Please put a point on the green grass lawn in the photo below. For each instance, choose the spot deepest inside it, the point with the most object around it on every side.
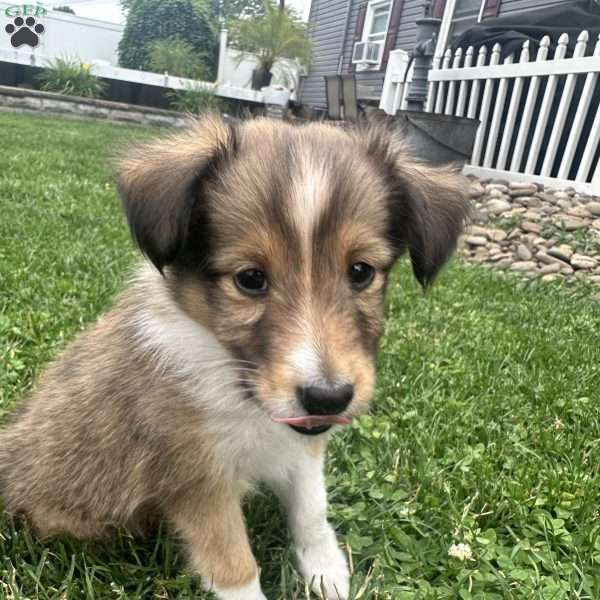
(485, 430)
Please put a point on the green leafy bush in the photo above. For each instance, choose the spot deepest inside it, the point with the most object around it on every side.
(150, 21)
(195, 100)
(72, 77)
(176, 57)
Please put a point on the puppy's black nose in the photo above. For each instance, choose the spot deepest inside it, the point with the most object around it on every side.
(325, 400)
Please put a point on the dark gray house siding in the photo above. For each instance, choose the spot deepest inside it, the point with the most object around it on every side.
(327, 20)
(327, 32)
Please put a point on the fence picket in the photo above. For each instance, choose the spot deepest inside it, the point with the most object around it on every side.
(452, 87)
(462, 91)
(580, 116)
(534, 88)
(563, 108)
(540, 128)
(473, 101)
(497, 117)
(485, 107)
(439, 104)
(589, 152)
(512, 111)
(431, 94)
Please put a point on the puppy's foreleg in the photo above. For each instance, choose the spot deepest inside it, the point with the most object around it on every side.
(215, 531)
(320, 559)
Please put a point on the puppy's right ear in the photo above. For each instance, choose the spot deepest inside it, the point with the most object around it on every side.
(161, 181)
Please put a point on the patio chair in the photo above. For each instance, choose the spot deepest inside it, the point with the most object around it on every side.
(341, 97)
(350, 100)
(333, 91)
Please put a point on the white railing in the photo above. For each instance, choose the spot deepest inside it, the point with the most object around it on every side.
(533, 125)
(143, 77)
(395, 85)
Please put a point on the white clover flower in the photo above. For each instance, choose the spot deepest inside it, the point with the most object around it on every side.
(558, 424)
(461, 551)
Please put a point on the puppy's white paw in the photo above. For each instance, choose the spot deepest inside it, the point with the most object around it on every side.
(324, 565)
(251, 591)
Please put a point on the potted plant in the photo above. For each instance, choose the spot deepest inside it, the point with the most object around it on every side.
(276, 35)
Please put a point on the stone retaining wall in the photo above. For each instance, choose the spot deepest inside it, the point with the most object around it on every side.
(26, 100)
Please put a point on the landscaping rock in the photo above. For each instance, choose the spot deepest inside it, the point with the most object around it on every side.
(521, 266)
(476, 190)
(530, 249)
(532, 215)
(477, 230)
(531, 227)
(546, 197)
(529, 201)
(492, 188)
(581, 261)
(496, 235)
(476, 240)
(563, 252)
(579, 211)
(593, 208)
(498, 206)
(522, 189)
(551, 268)
(547, 259)
(523, 253)
(572, 223)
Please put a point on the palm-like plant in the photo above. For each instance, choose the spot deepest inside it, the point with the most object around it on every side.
(276, 35)
(176, 57)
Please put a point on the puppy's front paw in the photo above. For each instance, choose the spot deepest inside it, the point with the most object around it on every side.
(324, 565)
(251, 591)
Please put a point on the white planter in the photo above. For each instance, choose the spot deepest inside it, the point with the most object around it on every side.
(277, 95)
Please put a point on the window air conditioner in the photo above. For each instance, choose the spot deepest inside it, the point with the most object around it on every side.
(366, 53)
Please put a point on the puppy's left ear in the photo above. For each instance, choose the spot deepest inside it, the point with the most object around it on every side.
(428, 205)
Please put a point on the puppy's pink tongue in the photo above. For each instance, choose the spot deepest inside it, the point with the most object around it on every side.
(310, 421)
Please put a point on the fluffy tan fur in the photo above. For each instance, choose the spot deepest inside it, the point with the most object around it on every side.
(120, 429)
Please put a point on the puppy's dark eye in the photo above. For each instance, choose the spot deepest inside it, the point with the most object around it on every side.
(251, 281)
(361, 275)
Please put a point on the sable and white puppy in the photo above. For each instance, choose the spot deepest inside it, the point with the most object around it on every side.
(225, 362)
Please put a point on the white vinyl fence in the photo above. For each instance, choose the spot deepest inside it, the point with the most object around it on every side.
(395, 84)
(540, 115)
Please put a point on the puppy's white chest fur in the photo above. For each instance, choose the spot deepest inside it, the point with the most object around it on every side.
(251, 447)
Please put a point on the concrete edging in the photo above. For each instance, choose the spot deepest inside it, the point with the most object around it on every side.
(26, 100)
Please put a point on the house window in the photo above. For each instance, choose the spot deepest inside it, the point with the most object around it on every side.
(464, 15)
(377, 21)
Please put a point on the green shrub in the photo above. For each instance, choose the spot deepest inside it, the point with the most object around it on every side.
(72, 77)
(195, 100)
(149, 21)
(176, 57)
